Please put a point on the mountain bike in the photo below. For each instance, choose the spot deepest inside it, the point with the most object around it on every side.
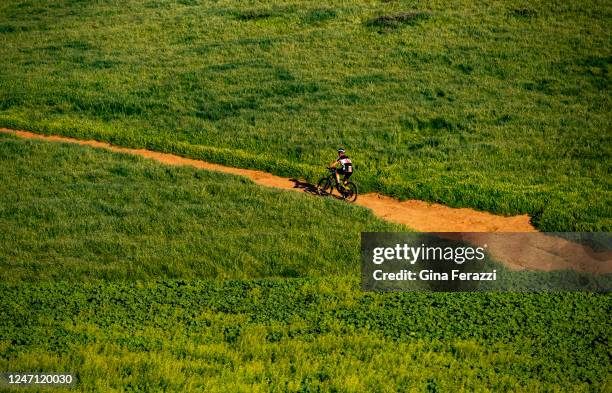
(326, 186)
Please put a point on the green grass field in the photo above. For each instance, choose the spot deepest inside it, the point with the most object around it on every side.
(101, 215)
(501, 105)
(142, 277)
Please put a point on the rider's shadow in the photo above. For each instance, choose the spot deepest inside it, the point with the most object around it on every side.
(309, 188)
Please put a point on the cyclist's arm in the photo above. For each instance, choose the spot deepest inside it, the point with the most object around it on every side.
(333, 164)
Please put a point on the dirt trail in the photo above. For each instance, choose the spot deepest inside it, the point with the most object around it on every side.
(419, 215)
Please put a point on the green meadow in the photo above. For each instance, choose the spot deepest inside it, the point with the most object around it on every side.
(140, 277)
(110, 216)
(502, 106)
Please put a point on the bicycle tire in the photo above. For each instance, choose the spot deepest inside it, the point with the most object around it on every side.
(351, 194)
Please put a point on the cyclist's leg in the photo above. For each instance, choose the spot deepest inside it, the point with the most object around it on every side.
(338, 173)
(347, 175)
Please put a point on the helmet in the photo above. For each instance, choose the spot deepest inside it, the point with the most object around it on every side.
(340, 150)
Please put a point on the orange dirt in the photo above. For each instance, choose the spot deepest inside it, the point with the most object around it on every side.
(418, 215)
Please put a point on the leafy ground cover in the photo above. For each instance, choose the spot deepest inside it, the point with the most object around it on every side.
(120, 270)
(303, 335)
(502, 106)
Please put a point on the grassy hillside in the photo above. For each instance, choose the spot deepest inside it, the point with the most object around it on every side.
(500, 105)
(100, 215)
(116, 268)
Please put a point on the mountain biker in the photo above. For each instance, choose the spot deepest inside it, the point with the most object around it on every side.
(346, 168)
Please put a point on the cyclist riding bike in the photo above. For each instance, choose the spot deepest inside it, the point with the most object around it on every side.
(346, 167)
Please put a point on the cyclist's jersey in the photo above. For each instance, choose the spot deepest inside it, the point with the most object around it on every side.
(347, 165)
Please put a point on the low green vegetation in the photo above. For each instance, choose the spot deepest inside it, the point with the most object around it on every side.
(142, 277)
(304, 335)
(502, 105)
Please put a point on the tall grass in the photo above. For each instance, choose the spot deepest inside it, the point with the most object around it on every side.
(100, 215)
(503, 106)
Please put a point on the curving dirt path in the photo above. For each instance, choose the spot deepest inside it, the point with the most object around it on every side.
(418, 215)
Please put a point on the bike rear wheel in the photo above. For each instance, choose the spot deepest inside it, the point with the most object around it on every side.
(324, 187)
(350, 192)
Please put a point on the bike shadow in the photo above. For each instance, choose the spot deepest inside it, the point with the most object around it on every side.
(309, 188)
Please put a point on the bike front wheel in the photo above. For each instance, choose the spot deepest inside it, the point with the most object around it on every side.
(350, 192)
(324, 187)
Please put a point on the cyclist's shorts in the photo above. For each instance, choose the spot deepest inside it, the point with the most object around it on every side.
(346, 174)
